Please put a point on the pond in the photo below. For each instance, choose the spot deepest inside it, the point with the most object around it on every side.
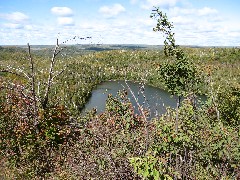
(154, 99)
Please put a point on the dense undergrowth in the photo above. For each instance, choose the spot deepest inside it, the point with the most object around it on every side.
(53, 140)
(118, 143)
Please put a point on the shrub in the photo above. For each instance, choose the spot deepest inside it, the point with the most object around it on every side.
(35, 149)
(228, 100)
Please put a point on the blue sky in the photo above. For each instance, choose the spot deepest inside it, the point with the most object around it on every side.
(196, 22)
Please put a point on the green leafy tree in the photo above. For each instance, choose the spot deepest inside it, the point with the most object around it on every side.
(180, 76)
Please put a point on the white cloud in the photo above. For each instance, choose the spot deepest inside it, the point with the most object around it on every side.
(94, 26)
(29, 27)
(64, 16)
(234, 34)
(110, 11)
(62, 11)
(14, 20)
(65, 21)
(180, 20)
(146, 22)
(13, 26)
(207, 11)
(207, 27)
(133, 1)
(159, 3)
(201, 26)
(16, 17)
(176, 11)
(192, 25)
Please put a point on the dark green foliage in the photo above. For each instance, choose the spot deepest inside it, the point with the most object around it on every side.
(229, 105)
(199, 149)
(181, 77)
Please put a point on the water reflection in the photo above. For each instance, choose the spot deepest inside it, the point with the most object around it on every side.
(154, 99)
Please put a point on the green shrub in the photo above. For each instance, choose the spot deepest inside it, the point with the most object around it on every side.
(228, 100)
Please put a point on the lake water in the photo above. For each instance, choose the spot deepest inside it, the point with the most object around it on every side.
(154, 99)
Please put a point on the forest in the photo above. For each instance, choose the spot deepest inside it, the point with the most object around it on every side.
(44, 135)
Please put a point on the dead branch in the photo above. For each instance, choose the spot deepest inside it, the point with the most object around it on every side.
(35, 109)
(142, 112)
(15, 73)
(56, 51)
(58, 74)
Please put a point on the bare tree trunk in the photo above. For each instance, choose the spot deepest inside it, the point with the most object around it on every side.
(176, 129)
(177, 113)
(50, 76)
(33, 88)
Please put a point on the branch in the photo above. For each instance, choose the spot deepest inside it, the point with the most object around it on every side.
(50, 77)
(33, 84)
(139, 106)
(142, 112)
(19, 88)
(15, 73)
(11, 72)
(58, 74)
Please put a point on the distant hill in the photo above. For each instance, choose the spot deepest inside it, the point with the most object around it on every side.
(87, 48)
(79, 48)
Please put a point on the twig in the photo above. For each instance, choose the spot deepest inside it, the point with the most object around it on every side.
(213, 99)
(50, 77)
(58, 74)
(142, 112)
(177, 113)
(15, 73)
(35, 109)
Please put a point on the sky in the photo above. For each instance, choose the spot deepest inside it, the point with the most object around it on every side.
(41, 22)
